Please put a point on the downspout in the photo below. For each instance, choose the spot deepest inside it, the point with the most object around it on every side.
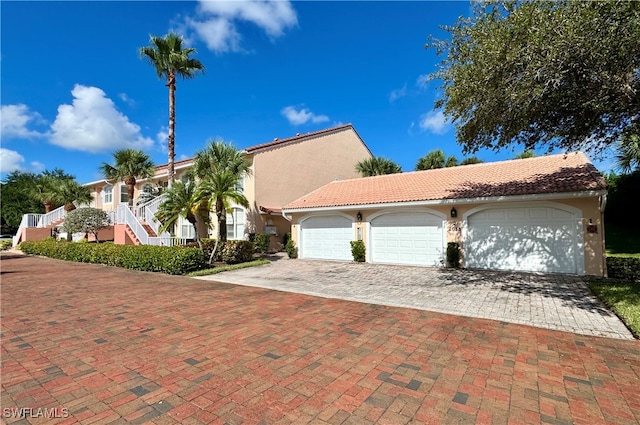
(603, 204)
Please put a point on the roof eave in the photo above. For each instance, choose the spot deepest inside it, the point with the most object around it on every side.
(450, 201)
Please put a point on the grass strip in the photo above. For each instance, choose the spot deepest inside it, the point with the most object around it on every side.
(623, 298)
(220, 269)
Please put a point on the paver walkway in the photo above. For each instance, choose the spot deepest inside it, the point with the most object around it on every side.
(112, 346)
(549, 301)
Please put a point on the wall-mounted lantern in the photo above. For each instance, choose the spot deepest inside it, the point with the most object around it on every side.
(359, 217)
(454, 212)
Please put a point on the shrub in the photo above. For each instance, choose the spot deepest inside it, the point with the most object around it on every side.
(627, 268)
(285, 239)
(4, 245)
(235, 252)
(358, 251)
(290, 247)
(262, 241)
(165, 259)
(86, 220)
(453, 255)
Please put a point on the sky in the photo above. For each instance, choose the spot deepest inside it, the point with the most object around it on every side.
(73, 88)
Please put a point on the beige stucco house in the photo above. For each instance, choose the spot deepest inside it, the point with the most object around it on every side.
(542, 214)
(282, 170)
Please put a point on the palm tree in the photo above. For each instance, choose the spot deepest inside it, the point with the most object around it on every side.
(529, 153)
(171, 60)
(182, 200)
(71, 191)
(628, 156)
(220, 168)
(377, 166)
(471, 160)
(130, 165)
(47, 188)
(432, 160)
(452, 161)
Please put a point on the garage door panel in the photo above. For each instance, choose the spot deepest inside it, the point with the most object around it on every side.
(326, 237)
(407, 238)
(545, 241)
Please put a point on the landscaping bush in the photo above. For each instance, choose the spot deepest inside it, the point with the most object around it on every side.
(235, 252)
(453, 255)
(627, 268)
(290, 247)
(165, 259)
(358, 251)
(4, 245)
(262, 241)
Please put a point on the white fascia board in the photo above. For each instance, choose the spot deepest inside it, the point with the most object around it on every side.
(457, 201)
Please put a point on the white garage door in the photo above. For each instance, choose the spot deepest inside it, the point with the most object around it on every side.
(326, 237)
(414, 238)
(538, 239)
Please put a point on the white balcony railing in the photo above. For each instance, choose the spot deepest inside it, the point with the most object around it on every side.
(125, 216)
(28, 220)
(146, 212)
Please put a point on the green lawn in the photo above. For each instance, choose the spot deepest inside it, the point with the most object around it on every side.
(623, 298)
(622, 241)
(227, 268)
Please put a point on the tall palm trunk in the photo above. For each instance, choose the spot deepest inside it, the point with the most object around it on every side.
(48, 206)
(222, 220)
(171, 139)
(131, 185)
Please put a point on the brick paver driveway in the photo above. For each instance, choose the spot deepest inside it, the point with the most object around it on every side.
(549, 301)
(109, 345)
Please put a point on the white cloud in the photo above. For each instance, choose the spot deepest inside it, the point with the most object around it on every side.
(162, 136)
(37, 166)
(93, 124)
(434, 122)
(216, 21)
(14, 120)
(422, 81)
(301, 116)
(126, 99)
(398, 93)
(10, 161)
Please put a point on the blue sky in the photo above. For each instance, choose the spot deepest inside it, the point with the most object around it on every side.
(74, 89)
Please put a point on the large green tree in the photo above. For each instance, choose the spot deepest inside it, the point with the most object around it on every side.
(129, 166)
(171, 60)
(556, 74)
(13, 202)
(377, 166)
(220, 168)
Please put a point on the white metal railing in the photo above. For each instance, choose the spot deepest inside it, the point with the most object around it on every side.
(125, 216)
(146, 212)
(28, 220)
(51, 216)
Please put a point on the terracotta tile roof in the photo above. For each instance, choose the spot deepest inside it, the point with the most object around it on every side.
(572, 172)
(297, 137)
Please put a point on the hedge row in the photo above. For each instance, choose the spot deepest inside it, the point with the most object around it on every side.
(627, 268)
(165, 259)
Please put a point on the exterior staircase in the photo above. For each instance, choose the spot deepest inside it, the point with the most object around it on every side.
(149, 229)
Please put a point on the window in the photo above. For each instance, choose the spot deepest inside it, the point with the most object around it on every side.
(235, 224)
(107, 194)
(124, 195)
